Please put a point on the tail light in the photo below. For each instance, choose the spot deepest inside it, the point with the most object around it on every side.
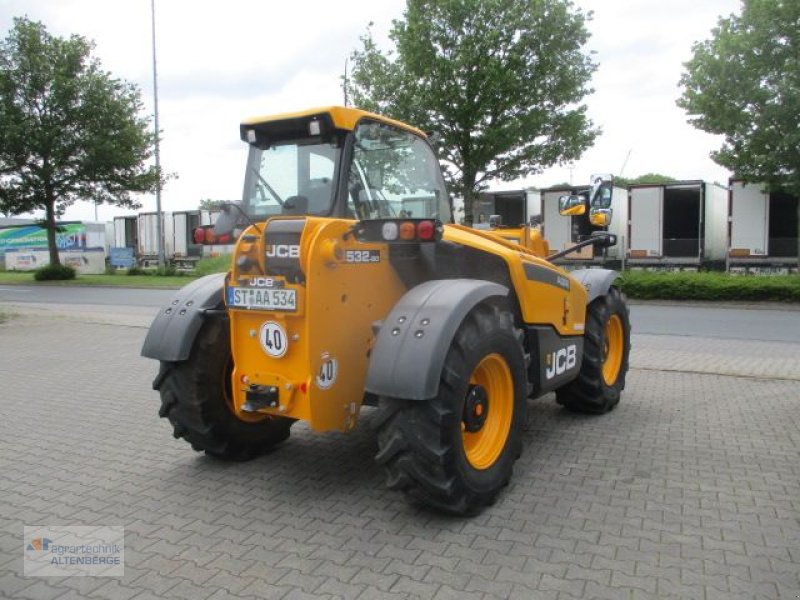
(408, 231)
(399, 230)
(205, 235)
(426, 231)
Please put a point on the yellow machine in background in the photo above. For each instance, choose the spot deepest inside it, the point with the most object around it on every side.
(595, 204)
(350, 286)
(528, 235)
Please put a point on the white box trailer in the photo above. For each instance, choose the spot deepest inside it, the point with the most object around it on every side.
(140, 232)
(515, 207)
(562, 232)
(186, 251)
(147, 248)
(763, 225)
(126, 232)
(681, 222)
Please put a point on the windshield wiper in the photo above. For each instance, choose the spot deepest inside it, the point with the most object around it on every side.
(266, 185)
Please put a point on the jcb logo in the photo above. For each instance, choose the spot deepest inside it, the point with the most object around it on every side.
(561, 361)
(261, 282)
(283, 251)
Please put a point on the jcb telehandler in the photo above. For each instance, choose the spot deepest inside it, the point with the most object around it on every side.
(350, 286)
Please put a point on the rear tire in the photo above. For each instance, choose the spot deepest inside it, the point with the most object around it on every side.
(607, 345)
(456, 451)
(196, 399)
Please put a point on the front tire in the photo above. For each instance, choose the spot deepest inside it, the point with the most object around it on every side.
(196, 399)
(456, 451)
(607, 345)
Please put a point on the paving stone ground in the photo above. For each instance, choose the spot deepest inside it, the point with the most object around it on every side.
(690, 489)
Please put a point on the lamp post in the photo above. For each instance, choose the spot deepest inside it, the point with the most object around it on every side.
(159, 224)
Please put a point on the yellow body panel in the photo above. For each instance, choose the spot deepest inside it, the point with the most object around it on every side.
(333, 322)
(541, 302)
(529, 237)
(330, 332)
(343, 118)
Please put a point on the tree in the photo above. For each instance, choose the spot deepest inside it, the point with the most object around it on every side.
(68, 130)
(646, 178)
(211, 205)
(744, 83)
(498, 84)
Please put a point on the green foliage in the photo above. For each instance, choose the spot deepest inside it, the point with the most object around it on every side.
(710, 286)
(54, 273)
(497, 83)
(214, 264)
(744, 83)
(646, 178)
(211, 205)
(88, 280)
(167, 271)
(68, 130)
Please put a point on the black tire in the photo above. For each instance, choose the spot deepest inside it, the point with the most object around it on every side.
(421, 444)
(195, 397)
(599, 385)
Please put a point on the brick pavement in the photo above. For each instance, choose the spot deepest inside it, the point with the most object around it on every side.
(690, 489)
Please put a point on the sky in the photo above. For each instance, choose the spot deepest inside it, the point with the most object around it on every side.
(221, 62)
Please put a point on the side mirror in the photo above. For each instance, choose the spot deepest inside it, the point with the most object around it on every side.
(571, 205)
(227, 219)
(600, 217)
(603, 239)
(602, 187)
(495, 220)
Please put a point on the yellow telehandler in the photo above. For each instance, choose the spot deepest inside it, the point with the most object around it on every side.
(350, 286)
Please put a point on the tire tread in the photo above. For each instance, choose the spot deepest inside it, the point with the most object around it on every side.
(418, 457)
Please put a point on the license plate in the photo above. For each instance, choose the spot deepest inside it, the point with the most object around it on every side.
(262, 298)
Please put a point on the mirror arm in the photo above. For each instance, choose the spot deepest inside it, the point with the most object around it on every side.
(226, 209)
(246, 216)
(592, 240)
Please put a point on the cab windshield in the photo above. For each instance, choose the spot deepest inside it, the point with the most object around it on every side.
(290, 179)
(394, 174)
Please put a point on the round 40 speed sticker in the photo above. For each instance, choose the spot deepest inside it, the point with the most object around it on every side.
(326, 376)
(273, 339)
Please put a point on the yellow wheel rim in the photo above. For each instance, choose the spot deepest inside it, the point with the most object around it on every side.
(484, 446)
(613, 350)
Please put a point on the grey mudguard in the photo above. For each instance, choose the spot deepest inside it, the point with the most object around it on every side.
(596, 281)
(408, 356)
(172, 332)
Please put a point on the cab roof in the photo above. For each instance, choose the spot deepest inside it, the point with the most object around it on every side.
(343, 118)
